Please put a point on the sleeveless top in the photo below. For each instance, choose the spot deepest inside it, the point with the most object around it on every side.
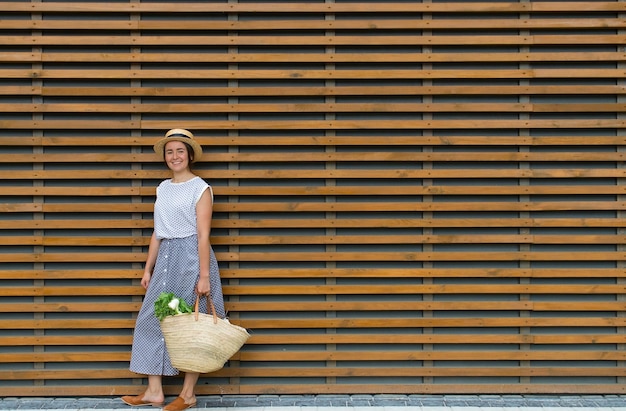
(175, 207)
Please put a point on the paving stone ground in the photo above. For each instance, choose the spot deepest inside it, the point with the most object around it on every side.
(358, 402)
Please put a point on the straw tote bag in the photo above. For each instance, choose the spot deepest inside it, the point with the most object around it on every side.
(198, 342)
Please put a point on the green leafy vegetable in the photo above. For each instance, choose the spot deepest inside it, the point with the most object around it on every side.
(169, 304)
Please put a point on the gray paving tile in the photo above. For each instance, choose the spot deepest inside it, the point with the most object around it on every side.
(336, 402)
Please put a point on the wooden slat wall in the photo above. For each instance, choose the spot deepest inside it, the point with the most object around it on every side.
(410, 197)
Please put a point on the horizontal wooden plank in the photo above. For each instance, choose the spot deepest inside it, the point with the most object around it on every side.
(282, 355)
(317, 156)
(423, 190)
(312, 40)
(74, 291)
(321, 141)
(296, 222)
(339, 323)
(295, 207)
(63, 357)
(19, 90)
(360, 124)
(412, 323)
(351, 338)
(78, 324)
(259, 338)
(440, 355)
(283, 7)
(93, 224)
(313, 173)
(338, 371)
(362, 306)
(353, 289)
(316, 108)
(421, 207)
(299, 256)
(421, 371)
(318, 23)
(85, 340)
(69, 307)
(465, 272)
(369, 57)
(304, 74)
(365, 238)
(373, 305)
(75, 241)
(82, 374)
(342, 90)
(68, 274)
(330, 290)
(321, 273)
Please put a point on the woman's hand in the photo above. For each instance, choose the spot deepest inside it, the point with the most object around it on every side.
(204, 286)
(145, 280)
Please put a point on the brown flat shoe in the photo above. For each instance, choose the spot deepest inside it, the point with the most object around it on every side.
(137, 401)
(178, 405)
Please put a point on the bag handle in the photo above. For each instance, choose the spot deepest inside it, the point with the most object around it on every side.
(209, 302)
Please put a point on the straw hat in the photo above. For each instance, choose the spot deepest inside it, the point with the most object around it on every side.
(179, 134)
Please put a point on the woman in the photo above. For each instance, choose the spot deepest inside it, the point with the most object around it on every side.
(180, 260)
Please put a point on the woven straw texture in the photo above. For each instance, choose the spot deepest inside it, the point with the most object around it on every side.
(203, 344)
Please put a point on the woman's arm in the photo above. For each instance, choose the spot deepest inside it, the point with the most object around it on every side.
(153, 250)
(204, 211)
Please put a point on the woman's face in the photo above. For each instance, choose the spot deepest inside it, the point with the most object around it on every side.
(176, 155)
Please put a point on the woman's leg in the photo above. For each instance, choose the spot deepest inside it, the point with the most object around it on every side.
(152, 396)
(187, 397)
(154, 393)
(189, 385)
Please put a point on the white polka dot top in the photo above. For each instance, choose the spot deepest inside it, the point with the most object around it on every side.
(175, 208)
